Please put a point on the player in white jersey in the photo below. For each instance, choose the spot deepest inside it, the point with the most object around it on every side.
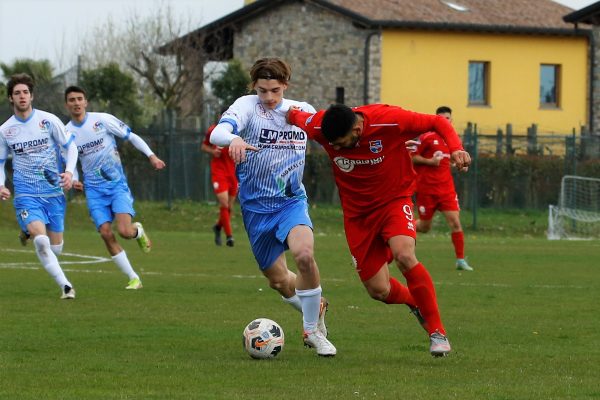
(271, 194)
(35, 139)
(107, 193)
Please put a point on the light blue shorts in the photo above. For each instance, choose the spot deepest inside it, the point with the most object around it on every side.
(49, 210)
(104, 204)
(268, 232)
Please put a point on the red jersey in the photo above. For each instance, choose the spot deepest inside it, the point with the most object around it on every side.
(223, 165)
(433, 179)
(379, 169)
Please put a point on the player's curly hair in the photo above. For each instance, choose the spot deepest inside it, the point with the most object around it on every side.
(270, 68)
(337, 121)
(17, 79)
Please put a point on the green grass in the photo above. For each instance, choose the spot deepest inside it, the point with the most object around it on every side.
(523, 326)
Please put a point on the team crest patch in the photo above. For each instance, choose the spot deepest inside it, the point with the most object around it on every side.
(45, 125)
(98, 126)
(24, 215)
(375, 146)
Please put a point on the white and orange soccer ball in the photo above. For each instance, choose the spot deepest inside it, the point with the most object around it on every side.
(263, 338)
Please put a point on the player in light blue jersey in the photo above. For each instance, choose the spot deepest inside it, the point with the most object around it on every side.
(35, 139)
(271, 194)
(108, 196)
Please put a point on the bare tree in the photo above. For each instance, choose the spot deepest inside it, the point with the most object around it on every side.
(168, 65)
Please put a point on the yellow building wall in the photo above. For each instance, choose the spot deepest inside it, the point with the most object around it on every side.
(423, 70)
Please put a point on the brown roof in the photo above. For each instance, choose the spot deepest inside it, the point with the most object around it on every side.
(503, 16)
(540, 14)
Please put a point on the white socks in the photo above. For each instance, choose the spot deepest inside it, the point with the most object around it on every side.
(311, 304)
(123, 263)
(57, 248)
(293, 301)
(140, 231)
(49, 260)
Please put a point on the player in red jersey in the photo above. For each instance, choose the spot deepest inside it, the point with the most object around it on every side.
(374, 174)
(435, 188)
(225, 185)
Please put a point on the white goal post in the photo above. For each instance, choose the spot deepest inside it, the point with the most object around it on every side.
(577, 215)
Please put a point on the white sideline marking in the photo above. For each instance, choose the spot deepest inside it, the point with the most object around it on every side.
(98, 260)
(34, 265)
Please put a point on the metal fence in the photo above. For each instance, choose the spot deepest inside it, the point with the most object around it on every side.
(508, 171)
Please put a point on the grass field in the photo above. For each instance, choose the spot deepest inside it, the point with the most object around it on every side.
(524, 325)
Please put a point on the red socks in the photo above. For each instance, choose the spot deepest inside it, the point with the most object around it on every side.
(399, 294)
(225, 220)
(421, 288)
(458, 240)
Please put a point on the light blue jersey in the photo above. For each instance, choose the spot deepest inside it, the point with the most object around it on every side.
(98, 153)
(35, 146)
(272, 177)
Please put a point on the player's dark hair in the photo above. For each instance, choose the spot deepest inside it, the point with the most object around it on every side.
(443, 110)
(75, 89)
(270, 68)
(337, 121)
(17, 79)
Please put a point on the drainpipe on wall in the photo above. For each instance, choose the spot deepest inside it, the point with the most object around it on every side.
(366, 66)
(592, 61)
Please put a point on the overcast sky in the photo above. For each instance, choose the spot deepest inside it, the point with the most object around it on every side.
(51, 29)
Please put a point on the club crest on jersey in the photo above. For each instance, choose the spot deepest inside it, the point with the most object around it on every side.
(436, 142)
(375, 146)
(45, 125)
(98, 126)
(262, 112)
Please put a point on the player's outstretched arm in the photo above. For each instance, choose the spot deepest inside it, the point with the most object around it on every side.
(156, 162)
(4, 193)
(78, 185)
(461, 160)
(66, 180)
(222, 136)
(237, 149)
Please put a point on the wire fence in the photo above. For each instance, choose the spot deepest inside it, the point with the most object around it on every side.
(508, 171)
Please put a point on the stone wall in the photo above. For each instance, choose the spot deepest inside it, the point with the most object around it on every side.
(325, 50)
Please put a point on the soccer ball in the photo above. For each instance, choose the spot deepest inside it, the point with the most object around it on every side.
(263, 338)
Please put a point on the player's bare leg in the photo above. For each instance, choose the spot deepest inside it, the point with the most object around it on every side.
(308, 287)
(129, 230)
(119, 256)
(423, 225)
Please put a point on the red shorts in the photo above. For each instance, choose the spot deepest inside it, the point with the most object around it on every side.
(225, 183)
(368, 235)
(427, 204)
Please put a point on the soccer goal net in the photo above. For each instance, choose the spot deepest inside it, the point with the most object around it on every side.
(577, 215)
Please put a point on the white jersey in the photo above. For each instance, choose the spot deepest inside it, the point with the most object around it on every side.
(271, 177)
(98, 153)
(35, 144)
